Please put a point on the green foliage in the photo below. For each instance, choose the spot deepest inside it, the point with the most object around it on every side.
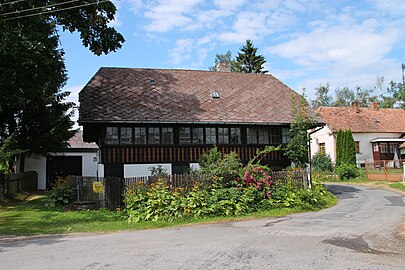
(347, 171)
(345, 148)
(224, 167)
(248, 62)
(226, 58)
(158, 171)
(297, 147)
(60, 195)
(309, 199)
(322, 98)
(7, 151)
(33, 72)
(322, 162)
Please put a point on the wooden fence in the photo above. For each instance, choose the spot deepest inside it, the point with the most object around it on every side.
(20, 182)
(106, 192)
(385, 170)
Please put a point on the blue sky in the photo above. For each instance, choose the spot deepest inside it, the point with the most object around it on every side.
(305, 43)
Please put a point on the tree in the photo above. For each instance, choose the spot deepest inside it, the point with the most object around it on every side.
(322, 98)
(227, 58)
(297, 147)
(398, 93)
(248, 62)
(345, 148)
(32, 70)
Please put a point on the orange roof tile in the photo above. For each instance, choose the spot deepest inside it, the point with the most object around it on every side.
(364, 119)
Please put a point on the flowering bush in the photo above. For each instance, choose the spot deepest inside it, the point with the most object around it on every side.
(257, 176)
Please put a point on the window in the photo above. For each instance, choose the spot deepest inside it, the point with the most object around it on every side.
(275, 135)
(322, 149)
(140, 135)
(263, 135)
(185, 135)
(235, 136)
(357, 146)
(383, 148)
(285, 135)
(125, 135)
(167, 135)
(153, 135)
(251, 133)
(111, 135)
(375, 147)
(393, 148)
(223, 136)
(198, 135)
(210, 136)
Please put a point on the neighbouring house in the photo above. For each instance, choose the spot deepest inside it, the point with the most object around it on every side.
(80, 158)
(147, 117)
(377, 132)
(402, 150)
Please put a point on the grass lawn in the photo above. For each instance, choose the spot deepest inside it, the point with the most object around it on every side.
(30, 217)
(398, 185)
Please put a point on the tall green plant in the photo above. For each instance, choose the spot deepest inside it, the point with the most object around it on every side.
(345, 149)
(297, 148)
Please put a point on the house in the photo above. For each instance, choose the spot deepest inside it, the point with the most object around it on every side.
(377, 132)
(147, 117)
(402, 150)
(80, 158)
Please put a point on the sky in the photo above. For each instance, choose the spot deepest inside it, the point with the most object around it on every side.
(306, 43)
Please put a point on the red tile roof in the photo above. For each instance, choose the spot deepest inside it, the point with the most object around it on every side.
(364, 119)
(160, 95)
(76, 142)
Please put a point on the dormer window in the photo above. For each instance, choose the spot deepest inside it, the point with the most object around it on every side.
(214, 94)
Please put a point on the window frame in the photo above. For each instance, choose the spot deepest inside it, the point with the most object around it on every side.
(163, 136)
(116, 140)
(143, 135)
(130, 138)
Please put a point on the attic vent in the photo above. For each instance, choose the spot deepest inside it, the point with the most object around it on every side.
(152, 81)
(214, 94)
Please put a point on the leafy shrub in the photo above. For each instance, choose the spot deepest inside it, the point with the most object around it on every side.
(322, 162)
(225, 169)
(158, 171)
(347, 171)
(60, 195)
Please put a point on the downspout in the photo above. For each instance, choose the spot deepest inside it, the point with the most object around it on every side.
(310, 155)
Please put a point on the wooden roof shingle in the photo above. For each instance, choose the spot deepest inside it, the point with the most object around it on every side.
(184, 96)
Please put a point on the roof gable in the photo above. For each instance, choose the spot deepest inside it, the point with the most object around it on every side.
(159, 95)
(365, 120)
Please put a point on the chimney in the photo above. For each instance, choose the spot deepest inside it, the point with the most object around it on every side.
(223, 66)
(355, 106)
(374, 106)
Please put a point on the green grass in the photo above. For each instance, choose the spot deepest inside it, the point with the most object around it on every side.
(398, 185)
(30, 217)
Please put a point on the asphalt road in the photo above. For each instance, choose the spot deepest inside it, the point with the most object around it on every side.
(360, 232)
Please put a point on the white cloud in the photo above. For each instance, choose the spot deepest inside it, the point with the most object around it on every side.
(229, 5)
(182, 51)
(248, 25)
(165, 15)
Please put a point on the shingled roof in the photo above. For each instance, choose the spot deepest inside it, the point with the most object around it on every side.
(364, 120)
(134, 95)
(76, 142)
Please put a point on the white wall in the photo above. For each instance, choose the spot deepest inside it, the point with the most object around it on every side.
(194, 166)
(38, 165)
(365, 145)
(135, 170)
(89, 166)
(326, 136)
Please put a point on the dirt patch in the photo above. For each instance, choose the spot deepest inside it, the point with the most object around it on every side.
(402, 231)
